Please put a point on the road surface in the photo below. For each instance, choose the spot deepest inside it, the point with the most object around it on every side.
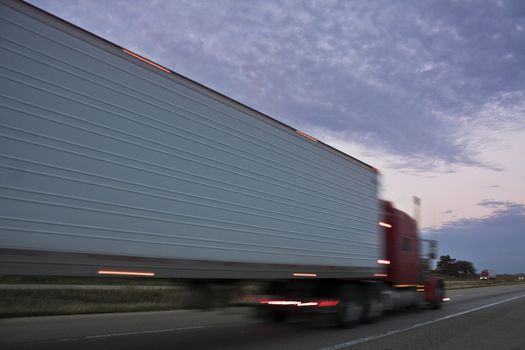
(481, 318)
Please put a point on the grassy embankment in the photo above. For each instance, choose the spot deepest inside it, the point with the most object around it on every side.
(475, 282)
(39, 302)
(128, 296)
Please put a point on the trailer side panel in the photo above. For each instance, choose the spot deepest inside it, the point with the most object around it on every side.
(103, 153)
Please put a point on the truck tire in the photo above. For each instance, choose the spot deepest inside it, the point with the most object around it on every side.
(351, 307)
(438, 297)
(374, 304)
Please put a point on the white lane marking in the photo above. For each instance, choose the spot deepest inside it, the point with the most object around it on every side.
(417, 325)
(133, 333)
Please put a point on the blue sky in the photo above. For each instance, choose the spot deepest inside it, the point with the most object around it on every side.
(430, 92)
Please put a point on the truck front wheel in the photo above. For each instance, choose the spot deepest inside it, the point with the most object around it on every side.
(438, 297)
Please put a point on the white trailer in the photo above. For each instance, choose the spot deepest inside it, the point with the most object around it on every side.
(111, 162)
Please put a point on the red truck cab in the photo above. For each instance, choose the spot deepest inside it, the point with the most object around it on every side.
(407, 268)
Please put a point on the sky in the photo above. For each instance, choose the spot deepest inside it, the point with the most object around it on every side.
(430, 92)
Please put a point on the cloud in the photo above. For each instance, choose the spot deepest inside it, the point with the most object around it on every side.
(500, 205)
(406, 78)
(432, 93)
(494, 242)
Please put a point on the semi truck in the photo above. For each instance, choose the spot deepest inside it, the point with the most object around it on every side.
(112, 164)
(487, 275)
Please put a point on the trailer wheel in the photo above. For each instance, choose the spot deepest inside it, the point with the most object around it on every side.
(351, 306)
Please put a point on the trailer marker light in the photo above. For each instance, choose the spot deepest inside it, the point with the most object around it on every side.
(384, 224)
(306, 135)
(380, 275)
(312, 303)
(446, 299)
(143, 59)
(298, 274)
(280, 302)
(383, 262)
(405, 285)
(328, 303)
(322, 303)
(125, 273)
(277, 302)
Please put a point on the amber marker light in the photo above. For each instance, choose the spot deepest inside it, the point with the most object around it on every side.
(404, 285)
(384, 224)
(143, 59)
(306, 135)
(376, 170)
(304, 274)
(125, 273)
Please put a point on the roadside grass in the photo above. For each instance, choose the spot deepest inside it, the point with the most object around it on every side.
(452, 282)
(110, 280)
(39, 302)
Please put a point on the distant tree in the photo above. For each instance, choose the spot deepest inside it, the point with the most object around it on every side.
(446, 265)
(452, 267)
(465, 268)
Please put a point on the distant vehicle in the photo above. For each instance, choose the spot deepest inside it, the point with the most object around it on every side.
(487, 275)
(520, 276)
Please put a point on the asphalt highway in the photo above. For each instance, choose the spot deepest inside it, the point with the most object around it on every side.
(481, 318)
